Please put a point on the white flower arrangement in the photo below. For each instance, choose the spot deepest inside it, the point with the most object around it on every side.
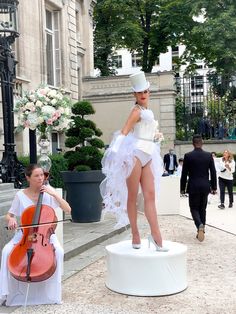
(44, 109)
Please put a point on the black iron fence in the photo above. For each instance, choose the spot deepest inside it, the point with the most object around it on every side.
(206, 104)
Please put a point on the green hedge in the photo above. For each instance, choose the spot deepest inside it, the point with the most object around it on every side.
(59, 163)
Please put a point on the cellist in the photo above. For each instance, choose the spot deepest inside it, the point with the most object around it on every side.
(12, 291)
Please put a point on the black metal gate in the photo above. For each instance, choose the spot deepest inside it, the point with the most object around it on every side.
(206, 104)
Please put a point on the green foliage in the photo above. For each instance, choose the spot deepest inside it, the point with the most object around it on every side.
(180, 116)
(24, 160)
(71, 141)
(59, 163)
(82, 168)
(83, 137)
(96, 142)
(82, 108)
(211, 37)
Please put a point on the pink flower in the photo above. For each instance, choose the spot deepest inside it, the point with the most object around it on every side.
(49, 121)
(43, 91)
(57, 114)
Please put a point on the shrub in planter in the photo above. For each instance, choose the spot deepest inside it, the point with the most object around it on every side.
(84, 162)
(83, 137)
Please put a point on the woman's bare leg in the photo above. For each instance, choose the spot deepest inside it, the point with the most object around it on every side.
(133, 186)
(148, 188)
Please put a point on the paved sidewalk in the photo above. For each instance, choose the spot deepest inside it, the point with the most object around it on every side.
(224, 219)
(211, 267)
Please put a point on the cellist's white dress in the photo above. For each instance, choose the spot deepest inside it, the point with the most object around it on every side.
(117, 167)
(14, 291)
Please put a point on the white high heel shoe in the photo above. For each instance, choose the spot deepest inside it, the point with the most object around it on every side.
(136, 245)
(158, 248)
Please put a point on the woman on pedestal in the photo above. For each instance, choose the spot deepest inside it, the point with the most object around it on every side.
(133, 158)
(12, 291)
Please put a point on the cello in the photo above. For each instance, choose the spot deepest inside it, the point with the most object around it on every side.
(33, 258)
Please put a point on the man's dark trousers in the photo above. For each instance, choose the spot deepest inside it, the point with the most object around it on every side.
(198, 205)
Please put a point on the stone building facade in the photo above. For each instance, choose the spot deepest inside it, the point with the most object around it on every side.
(55, 47)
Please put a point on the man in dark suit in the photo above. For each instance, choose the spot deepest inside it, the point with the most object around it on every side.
(196, 167)
(170, 162)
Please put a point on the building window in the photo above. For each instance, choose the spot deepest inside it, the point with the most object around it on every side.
(53, 54)
(55, 143)
(175, 65)
(195, 94)
(197, 82)
(175, 51)
(77, 19)
(199, 66)
(136, 60)
(117, 61)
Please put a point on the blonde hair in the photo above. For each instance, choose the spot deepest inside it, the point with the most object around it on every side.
(230, 158)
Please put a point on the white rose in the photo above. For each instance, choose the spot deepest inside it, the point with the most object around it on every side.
(32, 97)
(52, 93)
(39, 103)
(40, 120)
(29, 105)
(53, 102)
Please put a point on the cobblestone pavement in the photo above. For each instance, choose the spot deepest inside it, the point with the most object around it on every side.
(211, 277)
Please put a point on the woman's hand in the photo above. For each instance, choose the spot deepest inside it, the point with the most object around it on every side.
(62, 203)
(48, 189)
(159, 137)
(12, 223)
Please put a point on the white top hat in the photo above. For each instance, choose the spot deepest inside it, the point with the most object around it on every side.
(139, 82)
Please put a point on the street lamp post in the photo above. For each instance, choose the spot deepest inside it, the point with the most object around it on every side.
(11, 170)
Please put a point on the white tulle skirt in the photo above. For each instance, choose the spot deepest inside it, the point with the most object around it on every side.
(117, 167)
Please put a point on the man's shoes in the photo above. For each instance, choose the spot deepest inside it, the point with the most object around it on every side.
(221, 206)
(230, 205)
(200, 233)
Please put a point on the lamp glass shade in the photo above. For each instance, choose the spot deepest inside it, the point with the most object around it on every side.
(8, 17)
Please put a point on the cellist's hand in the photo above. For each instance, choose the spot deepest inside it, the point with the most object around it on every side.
(48, 189)
(12, 223)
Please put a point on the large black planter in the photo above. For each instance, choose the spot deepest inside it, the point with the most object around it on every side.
(83, 194)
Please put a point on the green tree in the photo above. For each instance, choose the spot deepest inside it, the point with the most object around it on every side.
(134, 24)
(207, 29)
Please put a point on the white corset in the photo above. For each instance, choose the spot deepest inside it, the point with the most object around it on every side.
(145, 131)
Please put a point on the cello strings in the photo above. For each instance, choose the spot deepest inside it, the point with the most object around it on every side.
(26, 297)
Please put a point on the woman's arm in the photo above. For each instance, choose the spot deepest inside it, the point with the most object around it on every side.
(62, 203)
(133, 118)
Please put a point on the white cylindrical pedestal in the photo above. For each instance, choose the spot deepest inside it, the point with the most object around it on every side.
(146, 272)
